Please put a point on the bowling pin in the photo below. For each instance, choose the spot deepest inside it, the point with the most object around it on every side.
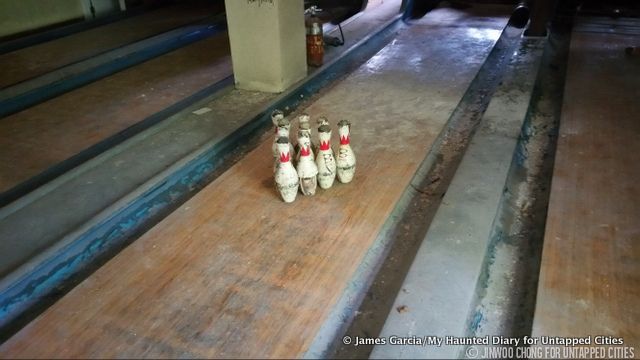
(275, 116)
(303, 124)
(286, 176)
(303, 121)
(282, 130)
(346, 161)
(307, 168)
(324, 160)
(304, 135)
(321, 121)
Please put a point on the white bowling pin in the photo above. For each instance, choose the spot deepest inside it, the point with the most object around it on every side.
(303, 121)
(346, 161)
(282, 130)
(275, 116)
(304, 137)
(286, 176)
(325, 161)
(303, 124)
(307, 168)
(321, 121)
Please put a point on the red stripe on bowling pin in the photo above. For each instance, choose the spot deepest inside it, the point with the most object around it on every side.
(324, 145)
(344, 140)
(285, 157)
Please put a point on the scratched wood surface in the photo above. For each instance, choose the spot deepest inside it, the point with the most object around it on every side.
(39, 137)
(590, 274)
(37, 60)
(237, 272)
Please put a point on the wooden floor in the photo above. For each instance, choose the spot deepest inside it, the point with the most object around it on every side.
(237, 272)
(39, 137)
(590, 276)
(40, 59)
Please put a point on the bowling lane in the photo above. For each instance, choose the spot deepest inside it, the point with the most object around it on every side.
(39, 59)
(237, 272)
(590, 271)
(39, 137)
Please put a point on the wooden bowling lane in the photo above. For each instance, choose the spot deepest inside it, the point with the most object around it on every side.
(590, 272)
(39, 59)
(39, 137)
(236, 272)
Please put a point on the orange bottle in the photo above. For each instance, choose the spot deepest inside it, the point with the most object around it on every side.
(315, 41)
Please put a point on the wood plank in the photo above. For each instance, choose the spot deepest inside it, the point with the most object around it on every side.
(590, 272)
(40, 137)
(237, 272)
(39, 59)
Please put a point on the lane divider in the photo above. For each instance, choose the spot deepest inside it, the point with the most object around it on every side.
(66, 30)
(34, 91)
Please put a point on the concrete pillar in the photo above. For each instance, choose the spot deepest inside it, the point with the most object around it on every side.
(268, 48)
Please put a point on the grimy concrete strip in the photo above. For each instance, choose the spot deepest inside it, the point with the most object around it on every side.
(440, 289)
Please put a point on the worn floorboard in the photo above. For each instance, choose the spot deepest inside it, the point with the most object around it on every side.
(590, 273)
(39, 137)
(39, 59)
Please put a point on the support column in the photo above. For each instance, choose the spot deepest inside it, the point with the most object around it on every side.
(268, 48)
